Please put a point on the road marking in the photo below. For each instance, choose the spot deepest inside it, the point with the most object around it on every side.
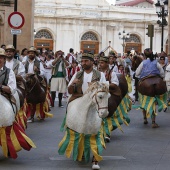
(62, 158)
(113, 157)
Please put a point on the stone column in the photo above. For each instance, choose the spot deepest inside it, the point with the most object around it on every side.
(169, 29)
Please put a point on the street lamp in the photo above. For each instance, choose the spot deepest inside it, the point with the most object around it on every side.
(124, 36)
(35, 32)
(162, 12)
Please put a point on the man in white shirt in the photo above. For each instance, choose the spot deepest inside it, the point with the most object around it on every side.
(12, 63)
(87, 74)
(58, 79)
(17, 67)
(113, 64)
(33, 65)
(7, 76)
(104, 67)
(79, 84)
(111, 77)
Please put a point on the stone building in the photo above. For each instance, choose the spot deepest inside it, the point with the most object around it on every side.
(90, 25)
(25, 7)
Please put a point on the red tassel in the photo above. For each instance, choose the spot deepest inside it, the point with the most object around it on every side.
(50, 98)
(11, 148)
(24, 144)
(42, 114)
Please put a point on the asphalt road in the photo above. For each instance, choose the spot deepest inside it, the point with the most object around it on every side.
(139, 148)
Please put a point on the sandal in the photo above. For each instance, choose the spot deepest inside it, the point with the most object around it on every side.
(155, 125)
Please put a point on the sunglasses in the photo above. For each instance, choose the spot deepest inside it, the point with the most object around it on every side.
(162, 59)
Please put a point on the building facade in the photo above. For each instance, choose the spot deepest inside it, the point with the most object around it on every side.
(90, 25)
(26, 38)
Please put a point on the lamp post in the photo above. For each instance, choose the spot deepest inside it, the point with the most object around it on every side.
(15, 36)
(162, 12)
(124, 36)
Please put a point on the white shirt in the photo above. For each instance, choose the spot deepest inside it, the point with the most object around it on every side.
(114, 78)
(49, 66)
(31, 67)
(87, 78)
(26, 57)
(71, 58)
(11, 81)
(21, 69)
(139, 69)
(115, 69)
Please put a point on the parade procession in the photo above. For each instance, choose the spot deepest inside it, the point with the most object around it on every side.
(73, 96)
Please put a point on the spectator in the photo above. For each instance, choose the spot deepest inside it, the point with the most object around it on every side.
(70, 56)
(48, 67)
(113, 63)
(24, 53)
(3, 46)
(121, 69)
(58, 80)
(162, 62)
(74, 69)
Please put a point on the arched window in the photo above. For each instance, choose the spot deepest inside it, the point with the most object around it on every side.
(133, 38)
(89, 36)
(43, 34)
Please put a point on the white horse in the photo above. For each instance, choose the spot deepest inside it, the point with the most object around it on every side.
(84, 114)
(7, 112)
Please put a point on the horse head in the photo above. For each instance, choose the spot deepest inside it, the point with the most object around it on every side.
(31, 81)
(35, 93)
(99, 96)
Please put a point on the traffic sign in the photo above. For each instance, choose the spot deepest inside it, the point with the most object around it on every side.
(16, 20)
(15, 32)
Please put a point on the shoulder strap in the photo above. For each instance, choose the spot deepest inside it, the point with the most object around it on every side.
(5, 82)
(79, 74)
(16, 66)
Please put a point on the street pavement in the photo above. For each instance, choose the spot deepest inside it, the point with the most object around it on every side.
(140, 147)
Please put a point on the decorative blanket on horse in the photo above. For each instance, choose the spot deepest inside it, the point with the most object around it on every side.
(21, 116)
(119, 117)
(81, 145)
(41, 110)
(149, 103)
(13, 139)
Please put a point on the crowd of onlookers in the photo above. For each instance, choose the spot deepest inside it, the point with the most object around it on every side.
(117, 63)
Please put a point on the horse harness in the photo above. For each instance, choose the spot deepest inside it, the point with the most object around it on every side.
(97, 101)
(33, 86)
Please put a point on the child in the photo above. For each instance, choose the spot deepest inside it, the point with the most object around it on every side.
(121, 69)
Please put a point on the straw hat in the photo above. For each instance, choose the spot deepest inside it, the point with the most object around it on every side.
(2, 52)
(32, 49)
(10, 47)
